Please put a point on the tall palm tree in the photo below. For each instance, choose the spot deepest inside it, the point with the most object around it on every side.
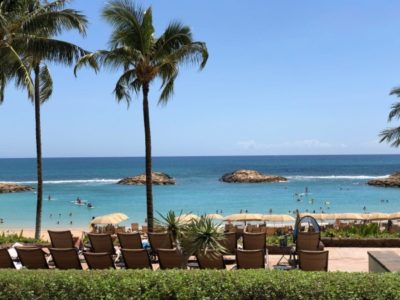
(30, 28)
(144, 58)
(392, 135)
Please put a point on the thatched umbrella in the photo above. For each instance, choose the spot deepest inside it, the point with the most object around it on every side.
(243, 217)
(277, 218)
(394, 216)
(114, 218)
(186, 218)
(348, 216)
(376, 216)
(214, 216)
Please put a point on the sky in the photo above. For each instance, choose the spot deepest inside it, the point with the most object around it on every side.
(283, 77)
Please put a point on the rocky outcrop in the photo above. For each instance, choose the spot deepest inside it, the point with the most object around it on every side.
(250, 176)
(391, 181)
(157, 178)
(13, 188)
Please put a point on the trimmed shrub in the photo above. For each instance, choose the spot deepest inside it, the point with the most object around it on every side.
(196, 284)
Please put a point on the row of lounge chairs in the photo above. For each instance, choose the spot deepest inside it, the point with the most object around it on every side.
(103, 254)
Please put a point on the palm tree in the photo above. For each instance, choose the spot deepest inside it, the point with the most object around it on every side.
(144, 58)
(30, 28)
(392, 135)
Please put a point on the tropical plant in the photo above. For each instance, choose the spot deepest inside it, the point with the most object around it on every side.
(173, 225)
(28, 31)
(201, 236)
(392, 135)
(144, 58)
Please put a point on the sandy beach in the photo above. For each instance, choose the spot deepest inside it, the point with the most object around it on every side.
(29, 232)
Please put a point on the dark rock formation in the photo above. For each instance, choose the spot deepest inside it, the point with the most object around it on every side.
(158, 178)
(391, 181)
(250, 176)
(13, 188)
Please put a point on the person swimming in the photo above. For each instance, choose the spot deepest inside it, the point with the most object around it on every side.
(89, 205)
(78, 200)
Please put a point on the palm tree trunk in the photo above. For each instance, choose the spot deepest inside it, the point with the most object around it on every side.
(38, 153)
(149, 188)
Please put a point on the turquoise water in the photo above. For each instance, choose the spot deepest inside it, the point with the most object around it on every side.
(335, 184)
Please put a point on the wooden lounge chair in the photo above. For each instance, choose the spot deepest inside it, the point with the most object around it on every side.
(309, 241)
(313, 260)
(250, 259)
(136, 258)
(170, 259)
(99, 260)
(211, 260)
(101, 242)
(130, 240)
(229, 242)
(32, 257)
(254, 241)
(134, 227)
(65, 258)
(159, 240)
(61, 239)
(5, 259)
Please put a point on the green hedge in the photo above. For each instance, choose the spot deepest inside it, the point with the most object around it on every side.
(196, 284)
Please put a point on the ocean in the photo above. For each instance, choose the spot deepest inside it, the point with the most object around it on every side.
(334, 184)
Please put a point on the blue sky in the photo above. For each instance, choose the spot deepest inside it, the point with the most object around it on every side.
(284, 77)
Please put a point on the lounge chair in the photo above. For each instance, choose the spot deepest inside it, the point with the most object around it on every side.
(99, 260)
(229, 242)
(130, 240)
(134, 227)
(32, 257)
(211, 260)
(61, 239)
(159, 240)
(309, 241)
(170, 259)
(136, 258)
(5, 259)
(313, 260)
(250, 259)
(65, 258)
(101, 242)
(254, 241)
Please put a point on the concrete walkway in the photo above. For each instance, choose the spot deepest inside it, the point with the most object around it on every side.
(345, 259)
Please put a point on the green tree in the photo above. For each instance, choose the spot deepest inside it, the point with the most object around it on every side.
(144, 58)
(392, 135)
(28, 31)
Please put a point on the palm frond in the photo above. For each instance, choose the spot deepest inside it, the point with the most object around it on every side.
(46, 84)
(56, 51)
(395, 111)
(15, 67)
(391, 135)
(127, 20)
(51, 23)
(122, 87)
(175, 36)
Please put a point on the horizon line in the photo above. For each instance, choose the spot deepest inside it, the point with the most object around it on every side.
(188, 156)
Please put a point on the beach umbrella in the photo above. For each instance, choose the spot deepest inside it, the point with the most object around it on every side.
(348, 216)
(376, 216)
(320, 216)
(277, 218)
(114, 218)
(214, 216)
(186, 218)
(243, 217)
(394, 216)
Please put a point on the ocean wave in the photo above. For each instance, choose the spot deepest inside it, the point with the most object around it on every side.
(68, 181)
(336, 177)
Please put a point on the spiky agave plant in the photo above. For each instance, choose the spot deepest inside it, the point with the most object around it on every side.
(201, 236)
(174, 226)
